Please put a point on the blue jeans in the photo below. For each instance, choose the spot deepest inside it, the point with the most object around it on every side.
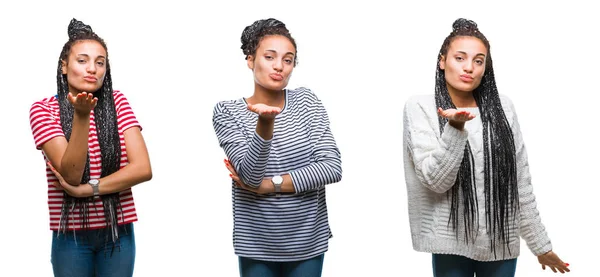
(87, 254)
(307, 268)
(459, 266)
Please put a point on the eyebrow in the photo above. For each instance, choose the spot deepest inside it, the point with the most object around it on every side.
(288, 53)
(479, 54)
(86, 55)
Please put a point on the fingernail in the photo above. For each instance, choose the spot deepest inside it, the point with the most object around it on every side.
(230, 175)
(566, 264)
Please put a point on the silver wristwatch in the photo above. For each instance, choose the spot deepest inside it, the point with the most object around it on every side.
(94, 183)
(277, 181)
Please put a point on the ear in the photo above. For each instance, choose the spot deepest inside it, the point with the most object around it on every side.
(250, 61)
(63, 67)
(442, 62)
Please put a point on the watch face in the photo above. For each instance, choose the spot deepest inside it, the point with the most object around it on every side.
(277, 180)
(93, 182)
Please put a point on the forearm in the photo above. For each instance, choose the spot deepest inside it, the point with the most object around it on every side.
(437, 163)
(316, 175)
(250, 161)
(124, 178)
(74, 159)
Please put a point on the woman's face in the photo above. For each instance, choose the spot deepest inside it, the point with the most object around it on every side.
(85, 67)
(464, 63)
(273, 62)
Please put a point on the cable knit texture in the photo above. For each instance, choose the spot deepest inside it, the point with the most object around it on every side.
(431, 163)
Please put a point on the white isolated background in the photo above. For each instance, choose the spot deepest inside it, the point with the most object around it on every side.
(174, 60)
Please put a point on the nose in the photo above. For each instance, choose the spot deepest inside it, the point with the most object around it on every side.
(468, 67)
(278, 65)
(91, 68)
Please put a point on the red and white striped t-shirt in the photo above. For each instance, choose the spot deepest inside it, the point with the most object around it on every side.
(45, 124)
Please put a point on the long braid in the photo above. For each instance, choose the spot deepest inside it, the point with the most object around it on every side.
(500, 168)
(105, 117)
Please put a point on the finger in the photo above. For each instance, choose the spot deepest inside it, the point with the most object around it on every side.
(57, 185)
(553, 269)
(544, 267)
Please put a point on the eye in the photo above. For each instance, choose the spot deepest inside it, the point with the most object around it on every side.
(100, 63)
(81, 61)
(479, 62)
(268, 57)
(288, 61)
(459, 58)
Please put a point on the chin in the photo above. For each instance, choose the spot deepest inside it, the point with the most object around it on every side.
(275, 86)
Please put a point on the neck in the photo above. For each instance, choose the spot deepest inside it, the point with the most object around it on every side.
(274, 98)
(462, 99)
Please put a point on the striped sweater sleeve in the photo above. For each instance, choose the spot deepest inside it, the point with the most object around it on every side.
(436, 159)
(326, 164)
(248, 157)
(530, 223)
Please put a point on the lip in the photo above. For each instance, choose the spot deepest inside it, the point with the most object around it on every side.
(276, 76)
(466, 78)
(91, 79)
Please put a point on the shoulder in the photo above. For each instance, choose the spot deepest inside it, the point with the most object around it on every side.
(508, 107)
(303, 94)
(44, 105)
(229, 106)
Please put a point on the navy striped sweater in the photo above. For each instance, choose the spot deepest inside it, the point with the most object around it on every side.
(291, 227)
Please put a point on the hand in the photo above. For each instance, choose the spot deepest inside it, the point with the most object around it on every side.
(551, 260)
(456, 115)
(264, 187)
(83, 102)
(75, 191)
(264, 111)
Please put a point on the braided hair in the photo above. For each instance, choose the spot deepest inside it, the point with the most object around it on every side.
(253, 34)
(105, 116)
(500, 168)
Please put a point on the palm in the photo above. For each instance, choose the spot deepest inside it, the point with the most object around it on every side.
(264, 111)
(456, 115)
(83, 102)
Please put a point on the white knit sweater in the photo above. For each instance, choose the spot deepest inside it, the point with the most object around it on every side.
(431, 164)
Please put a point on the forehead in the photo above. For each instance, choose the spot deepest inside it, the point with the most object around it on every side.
(88, 47)
(276, 43)
(470, 45)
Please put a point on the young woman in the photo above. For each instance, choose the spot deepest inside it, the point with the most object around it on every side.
(281, 154)
(469, 188)
(95, 153)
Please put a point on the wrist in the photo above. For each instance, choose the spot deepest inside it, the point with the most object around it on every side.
(266, 120)
(457, 124)
(85, 191)
(82, 114)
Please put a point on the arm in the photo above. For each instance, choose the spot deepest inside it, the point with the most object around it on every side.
(436, 160)
(531, 228)
(325, 166)
(137, 171)
(248, 157)
(69, 157)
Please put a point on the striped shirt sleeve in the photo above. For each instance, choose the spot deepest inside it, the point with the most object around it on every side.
(126, 117)
(326, 164)
(248, 157)
(44, 126)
